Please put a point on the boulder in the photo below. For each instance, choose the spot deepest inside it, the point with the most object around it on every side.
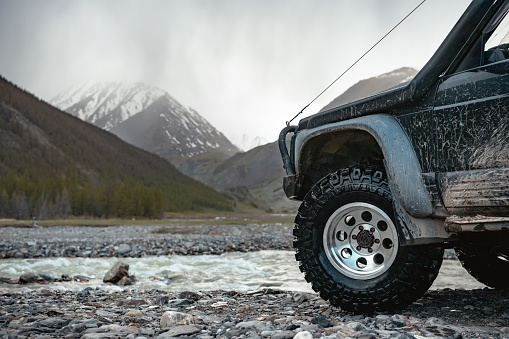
(124, 249)
(27, 278)
(119, 275)
(127, 281)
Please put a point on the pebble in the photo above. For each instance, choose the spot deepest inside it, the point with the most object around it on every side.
(138, 241)
(105, 314)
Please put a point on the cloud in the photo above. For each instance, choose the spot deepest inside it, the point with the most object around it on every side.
(246, 66)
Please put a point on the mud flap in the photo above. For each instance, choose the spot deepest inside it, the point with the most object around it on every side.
(420, 231)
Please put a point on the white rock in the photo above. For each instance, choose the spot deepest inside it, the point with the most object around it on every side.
(303, 335)
(124, 248)
(171, 318)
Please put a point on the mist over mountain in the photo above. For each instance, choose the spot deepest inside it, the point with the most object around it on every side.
(245, 142)
(147, 117)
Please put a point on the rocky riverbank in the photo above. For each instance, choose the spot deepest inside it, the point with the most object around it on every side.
(138, 241)
(269, 313)
(93, 313)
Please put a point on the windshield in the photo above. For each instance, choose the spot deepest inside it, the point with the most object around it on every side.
(501, 34)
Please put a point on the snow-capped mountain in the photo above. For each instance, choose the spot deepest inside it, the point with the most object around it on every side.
(167, 128)
(147, 117)
(246, 142)
(106, 104)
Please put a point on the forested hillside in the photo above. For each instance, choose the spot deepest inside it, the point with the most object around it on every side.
(55, 165)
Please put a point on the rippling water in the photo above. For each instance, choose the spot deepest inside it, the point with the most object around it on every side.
(230, 271)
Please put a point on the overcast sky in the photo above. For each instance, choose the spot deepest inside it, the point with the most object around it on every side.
(247, 66)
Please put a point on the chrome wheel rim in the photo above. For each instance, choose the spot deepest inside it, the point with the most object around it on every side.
(360, 241)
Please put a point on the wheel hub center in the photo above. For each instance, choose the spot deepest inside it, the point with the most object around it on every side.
(365, 239)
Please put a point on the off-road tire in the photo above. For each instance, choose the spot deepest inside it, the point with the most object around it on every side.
(407, 278)
(483, 262)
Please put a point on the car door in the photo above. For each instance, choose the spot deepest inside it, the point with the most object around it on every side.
(472, 130)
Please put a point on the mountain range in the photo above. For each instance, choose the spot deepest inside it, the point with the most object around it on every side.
(147, 117)
(55, 165)
(260, 169)
(367, 87)
(150, 118)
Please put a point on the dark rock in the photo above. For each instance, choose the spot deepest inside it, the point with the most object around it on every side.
(81, 278)
(46, 293)
(300, 297)
(233, 333)
(181, 330)
(322, 321)
(395, 323)
(28, 278)
(162, 300)
(180, 302)
(356, 326)
(133, 302)
(65, 277)
(73, 328)
(41, 329)
(8, 281)
(119, 271)
(46, 277)
(91, 323)
(55, 313)
(440, 331)
(403, 335)
(189, 295)
(56, 323)
(365, 336)
(127, 281)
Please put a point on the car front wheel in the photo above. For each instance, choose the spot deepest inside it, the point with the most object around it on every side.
(349, 247)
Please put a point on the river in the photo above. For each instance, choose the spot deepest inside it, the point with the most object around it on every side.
(230, 271)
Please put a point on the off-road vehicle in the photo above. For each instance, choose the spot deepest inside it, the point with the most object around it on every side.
(388, 182)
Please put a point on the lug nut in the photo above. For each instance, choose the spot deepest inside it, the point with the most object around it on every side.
(370, 250)
(358, 248)
(361, 228)
(354, 236)
(377, 241)
(372, 229)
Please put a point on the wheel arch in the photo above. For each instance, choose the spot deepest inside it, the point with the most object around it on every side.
(375, 140)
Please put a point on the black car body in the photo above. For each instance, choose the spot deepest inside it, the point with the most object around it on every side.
(435, 150)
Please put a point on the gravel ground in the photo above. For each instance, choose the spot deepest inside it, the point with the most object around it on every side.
(137, 241)
(132, 313)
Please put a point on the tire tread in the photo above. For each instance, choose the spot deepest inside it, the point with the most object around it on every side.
(413, 279)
